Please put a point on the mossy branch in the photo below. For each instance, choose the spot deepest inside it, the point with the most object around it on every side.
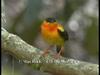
(63, 66)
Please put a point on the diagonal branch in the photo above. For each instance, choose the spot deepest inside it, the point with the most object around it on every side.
(63, 66)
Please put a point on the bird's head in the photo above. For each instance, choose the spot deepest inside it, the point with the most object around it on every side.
(50, 22)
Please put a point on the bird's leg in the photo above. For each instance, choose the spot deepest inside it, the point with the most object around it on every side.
(61, 51)
(46, 51)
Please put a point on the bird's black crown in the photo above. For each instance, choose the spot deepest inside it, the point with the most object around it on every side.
(51, 20)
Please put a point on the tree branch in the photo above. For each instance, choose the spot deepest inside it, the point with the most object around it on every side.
(63, 66)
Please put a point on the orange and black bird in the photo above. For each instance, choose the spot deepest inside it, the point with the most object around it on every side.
(54, 34)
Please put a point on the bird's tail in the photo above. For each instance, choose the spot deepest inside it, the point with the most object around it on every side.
(58, 48)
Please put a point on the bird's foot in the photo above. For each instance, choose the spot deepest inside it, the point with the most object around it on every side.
(45, 52)
(59, 53)
(57, 56)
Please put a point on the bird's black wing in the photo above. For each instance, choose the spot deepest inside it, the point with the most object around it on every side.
(63, 34)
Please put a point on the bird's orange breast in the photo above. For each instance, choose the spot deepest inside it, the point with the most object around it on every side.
(51, 35)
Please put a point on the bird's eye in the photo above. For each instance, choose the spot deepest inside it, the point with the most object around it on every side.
(51, 20)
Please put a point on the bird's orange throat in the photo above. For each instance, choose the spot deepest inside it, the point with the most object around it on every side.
(48, 27)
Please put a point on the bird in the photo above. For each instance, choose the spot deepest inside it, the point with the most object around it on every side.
(54, 34)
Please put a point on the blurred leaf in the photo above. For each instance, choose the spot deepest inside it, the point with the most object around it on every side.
(8, 71)
(71, 6)
(30, 34)
(91, 39)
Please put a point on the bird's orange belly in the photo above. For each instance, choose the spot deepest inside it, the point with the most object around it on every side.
(52, 38)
